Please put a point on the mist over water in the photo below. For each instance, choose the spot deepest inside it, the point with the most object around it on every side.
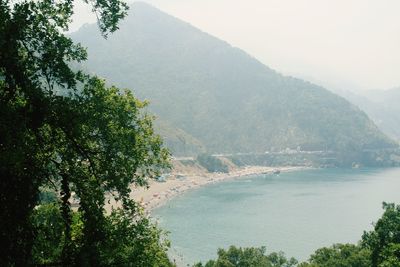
(295, 212)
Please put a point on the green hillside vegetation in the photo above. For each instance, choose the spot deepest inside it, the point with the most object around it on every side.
(179, 142)
(212, 164)
(382, 106)
(220, 95)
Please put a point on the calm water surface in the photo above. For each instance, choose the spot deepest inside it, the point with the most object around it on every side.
(294, 212)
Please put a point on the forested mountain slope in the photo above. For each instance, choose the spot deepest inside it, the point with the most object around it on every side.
(218, 94)
(382, 106)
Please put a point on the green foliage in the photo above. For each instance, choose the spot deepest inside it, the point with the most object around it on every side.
(211, 163)
(179, 142)
(129, 240)
(133, 241)
(103, 144)
(339, 255)
(47, 196)
(248, 257)
(48, 225)
(384, 240)
(390, 256)
(62, 128)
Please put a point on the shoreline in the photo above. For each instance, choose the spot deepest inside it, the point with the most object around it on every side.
(159, 193)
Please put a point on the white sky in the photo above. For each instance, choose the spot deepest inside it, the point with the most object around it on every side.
(341, 44)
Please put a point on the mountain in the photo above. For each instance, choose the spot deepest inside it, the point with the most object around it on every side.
(382, 106)
(224, 98)
(389, 97)
(178, 141)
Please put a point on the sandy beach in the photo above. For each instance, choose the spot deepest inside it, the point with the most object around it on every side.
(160, 192)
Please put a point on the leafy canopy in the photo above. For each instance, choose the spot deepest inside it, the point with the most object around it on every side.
(248, 257)
(63, 129)
(384, 240)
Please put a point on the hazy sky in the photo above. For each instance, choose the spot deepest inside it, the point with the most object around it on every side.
(346, 44)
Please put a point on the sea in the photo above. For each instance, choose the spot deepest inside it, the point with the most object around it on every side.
(294, 212)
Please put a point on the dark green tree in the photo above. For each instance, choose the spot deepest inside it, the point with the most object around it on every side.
(384, 240)
(104, 145)
(49, 226)
(339, 255)
(248, 257)
(61, 128)
(128, 241)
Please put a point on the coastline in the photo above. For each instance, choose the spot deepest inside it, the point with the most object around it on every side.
(159, 193)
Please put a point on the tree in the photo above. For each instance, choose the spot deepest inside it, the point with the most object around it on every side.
(339, 255)
(104, 144)
(48, 225)
(248, 257)
(384, 240)
(129, 241)
(62, 128)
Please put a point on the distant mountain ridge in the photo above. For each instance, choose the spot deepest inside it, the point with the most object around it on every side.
(382, 106)
(223, 98)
